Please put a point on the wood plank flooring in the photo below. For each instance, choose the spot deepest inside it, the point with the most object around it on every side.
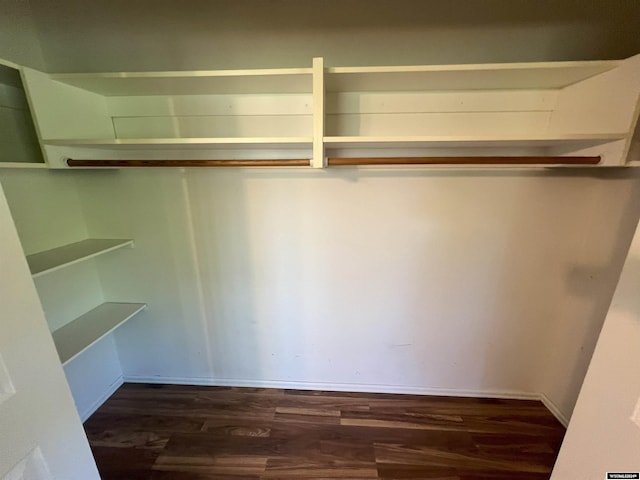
(156, 432)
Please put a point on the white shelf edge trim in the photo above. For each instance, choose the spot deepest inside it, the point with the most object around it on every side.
(605, 64)
(110, 142)
(468, 138)
(86, 330)
(22, 165)
(48, 257)
(123, 142)
(61, 77)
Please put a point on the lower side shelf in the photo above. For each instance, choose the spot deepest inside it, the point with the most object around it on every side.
(76, 336)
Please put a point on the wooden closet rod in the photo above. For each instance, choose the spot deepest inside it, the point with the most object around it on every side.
(189, 163)
(335, 162)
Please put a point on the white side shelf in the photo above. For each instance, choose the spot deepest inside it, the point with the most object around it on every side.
(78, 335)
(56, 258)
(19, 141)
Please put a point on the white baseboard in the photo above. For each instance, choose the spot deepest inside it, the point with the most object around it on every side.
(339, 387)
(354, 387)
(84, 415)
(553, 408)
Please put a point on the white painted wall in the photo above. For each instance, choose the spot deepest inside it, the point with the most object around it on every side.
(366, 279)
(17, 134)
(19, 39)
(94, 375)
(604, 434)
(203, 34)
(48, 213)
(36, 409)
(45, 206)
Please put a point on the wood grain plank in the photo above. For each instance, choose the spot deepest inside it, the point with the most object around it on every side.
(182, 475)
(232, 465)
(101, 421)
(239, 427)
(419, 455)
(129, 439)
(317, 412)
(124, 463)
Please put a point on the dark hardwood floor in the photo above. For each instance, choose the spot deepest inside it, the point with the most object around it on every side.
(197, 433)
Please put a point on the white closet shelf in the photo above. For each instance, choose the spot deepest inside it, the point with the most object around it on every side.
(185, 143)
(282, 80)
(495, 76)
(78, 335)
(470, 141)
(60, 257)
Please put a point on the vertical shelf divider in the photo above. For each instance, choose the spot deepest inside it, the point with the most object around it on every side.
(319, 160)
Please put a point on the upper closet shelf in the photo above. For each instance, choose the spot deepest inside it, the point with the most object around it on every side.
(555, 109)
(56, 258)
(283, 80)
(495, 76)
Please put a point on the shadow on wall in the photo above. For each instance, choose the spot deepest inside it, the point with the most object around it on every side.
(168, 341)
(249, 268)
(589, 285)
